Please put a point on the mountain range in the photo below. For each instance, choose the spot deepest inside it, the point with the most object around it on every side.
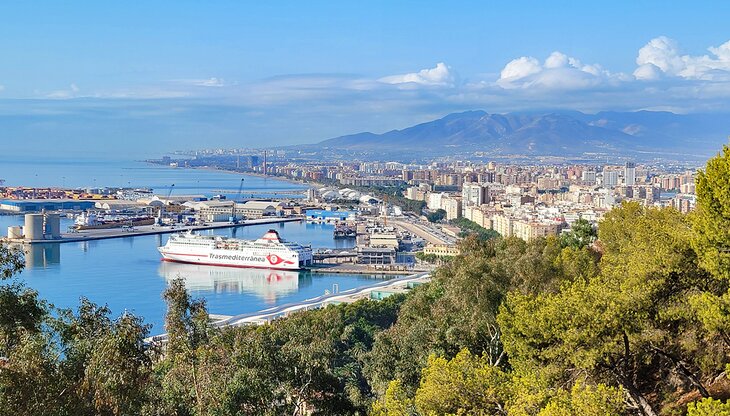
(560, 133)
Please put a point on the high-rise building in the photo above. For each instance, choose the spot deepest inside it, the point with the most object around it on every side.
(452, 206)
(630, 174)
(588, 177)
(474, 194)
(610, 178)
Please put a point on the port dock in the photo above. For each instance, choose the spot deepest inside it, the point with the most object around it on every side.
(108, 233)
(355, 268)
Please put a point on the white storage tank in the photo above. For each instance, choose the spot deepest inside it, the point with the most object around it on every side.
(15, 232)
(33, 229)
(53, 226)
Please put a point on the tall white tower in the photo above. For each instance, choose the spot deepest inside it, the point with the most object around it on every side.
(630, 174)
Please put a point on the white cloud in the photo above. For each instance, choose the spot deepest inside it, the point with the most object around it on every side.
(71, 92)
(206, 82)
(559, 71)
(142, 93)
(556, 60)
(661, 56)
(520, 68)
(648, 72)
(678, 81)
(441, 75)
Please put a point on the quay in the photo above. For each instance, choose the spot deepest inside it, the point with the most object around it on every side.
(355, 268)
(108, 233)
(376, 291)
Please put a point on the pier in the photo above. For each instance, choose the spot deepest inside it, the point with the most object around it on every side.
(375, 291)
(262, 192)
(107, 233)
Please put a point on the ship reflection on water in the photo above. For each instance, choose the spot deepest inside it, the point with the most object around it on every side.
(264, 283)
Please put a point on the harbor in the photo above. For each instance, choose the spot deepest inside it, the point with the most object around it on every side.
(102, 243)
(127, 273)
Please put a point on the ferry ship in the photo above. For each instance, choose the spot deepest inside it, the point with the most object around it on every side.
(268, 252)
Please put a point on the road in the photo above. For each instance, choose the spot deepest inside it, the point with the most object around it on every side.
(425, 232)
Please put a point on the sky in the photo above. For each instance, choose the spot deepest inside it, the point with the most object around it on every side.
(140, 79)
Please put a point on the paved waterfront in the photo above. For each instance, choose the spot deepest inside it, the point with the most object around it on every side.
(396, 285)
(107, 233)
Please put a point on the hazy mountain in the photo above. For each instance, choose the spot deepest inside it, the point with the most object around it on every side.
(553, 133)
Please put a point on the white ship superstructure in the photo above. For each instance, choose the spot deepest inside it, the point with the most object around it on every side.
(268, 252)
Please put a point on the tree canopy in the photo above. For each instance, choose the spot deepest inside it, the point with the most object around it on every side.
(711, 219)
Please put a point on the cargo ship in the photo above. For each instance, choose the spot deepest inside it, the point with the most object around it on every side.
(92, 221)
(268, 252)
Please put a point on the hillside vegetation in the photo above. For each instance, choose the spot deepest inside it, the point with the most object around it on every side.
(636, 322)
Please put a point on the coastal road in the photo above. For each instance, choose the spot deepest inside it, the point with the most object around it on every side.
(320, 301)
(422, 231)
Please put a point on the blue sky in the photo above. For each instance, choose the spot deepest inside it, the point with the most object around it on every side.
(237, 73)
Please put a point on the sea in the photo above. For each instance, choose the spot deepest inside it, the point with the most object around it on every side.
(127, 274)
(99, 173)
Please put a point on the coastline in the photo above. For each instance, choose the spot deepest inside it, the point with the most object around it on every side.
(254, 174)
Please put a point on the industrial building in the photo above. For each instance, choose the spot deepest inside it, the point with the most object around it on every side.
(38, 205)
(321, 214)
(216, 211)
(376, 255)
(37, 227)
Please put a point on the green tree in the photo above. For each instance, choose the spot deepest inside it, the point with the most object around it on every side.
(469, 227)
(20, 308)
(437, 215)
(30, 383)
(465, 385)
(118, 375)
(20, 311)
(581, 234)
(584, 399)
(395, 403)
(188, 330)
(458, 309)
(711, 220)
(11, 260)
(631, 325)
(709, 407)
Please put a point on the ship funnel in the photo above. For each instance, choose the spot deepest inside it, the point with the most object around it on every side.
(271, 235)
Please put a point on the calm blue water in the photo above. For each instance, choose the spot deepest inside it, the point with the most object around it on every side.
(127, 274)
(115, 173)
